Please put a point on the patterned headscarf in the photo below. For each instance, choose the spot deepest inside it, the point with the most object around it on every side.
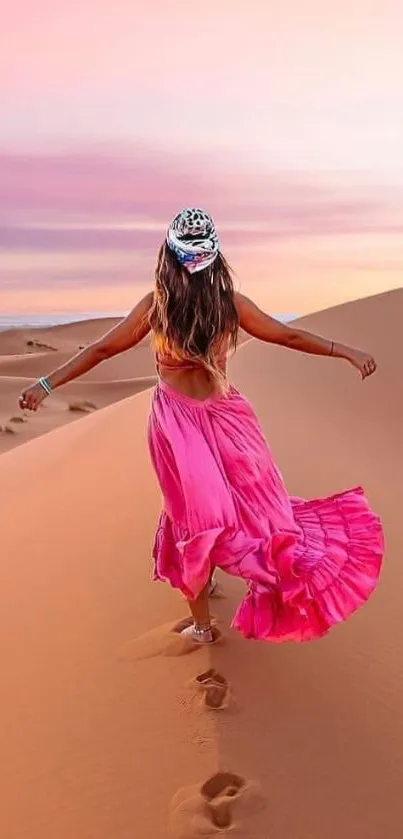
(193, 239)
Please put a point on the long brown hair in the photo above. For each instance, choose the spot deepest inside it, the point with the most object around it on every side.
(194, 314)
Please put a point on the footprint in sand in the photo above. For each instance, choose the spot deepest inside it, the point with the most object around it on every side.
(165, 640)
(82, 407)
(7, 429)
(225, 803)
(38, 345)
(213, 689)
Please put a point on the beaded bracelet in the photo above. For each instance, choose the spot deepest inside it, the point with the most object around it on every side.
(45, 383)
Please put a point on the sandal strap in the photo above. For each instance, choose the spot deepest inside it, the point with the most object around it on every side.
(200, 630)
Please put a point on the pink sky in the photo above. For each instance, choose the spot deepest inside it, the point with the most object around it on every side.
(286, 123)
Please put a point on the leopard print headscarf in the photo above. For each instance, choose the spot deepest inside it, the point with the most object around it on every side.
(193, 239)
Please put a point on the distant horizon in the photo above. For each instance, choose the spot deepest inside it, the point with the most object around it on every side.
(18, 321)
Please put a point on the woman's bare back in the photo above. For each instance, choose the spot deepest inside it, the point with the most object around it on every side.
(191, 378)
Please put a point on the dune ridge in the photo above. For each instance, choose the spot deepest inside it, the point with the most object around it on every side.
(99, 740)
(21, 362)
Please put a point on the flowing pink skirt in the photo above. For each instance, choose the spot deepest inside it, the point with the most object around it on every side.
(307, 564)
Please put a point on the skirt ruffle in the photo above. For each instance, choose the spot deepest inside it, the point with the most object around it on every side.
(333, 571)
(307, 565)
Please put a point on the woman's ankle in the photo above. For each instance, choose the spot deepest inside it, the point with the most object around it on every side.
(203, 626)
(199, 609)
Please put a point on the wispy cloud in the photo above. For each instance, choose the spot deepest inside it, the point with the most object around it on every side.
(86, 201)
(81, 230)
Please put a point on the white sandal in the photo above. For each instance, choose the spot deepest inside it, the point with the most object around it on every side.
(198, 635)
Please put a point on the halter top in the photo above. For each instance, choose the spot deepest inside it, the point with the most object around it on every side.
(171, 365)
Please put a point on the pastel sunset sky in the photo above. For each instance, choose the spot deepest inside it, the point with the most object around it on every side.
(286, 123)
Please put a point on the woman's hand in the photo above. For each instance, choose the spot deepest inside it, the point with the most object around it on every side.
(32, 397)
(364, 362)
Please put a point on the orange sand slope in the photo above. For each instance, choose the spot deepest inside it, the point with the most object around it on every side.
(28, 354)
(66, 336)
(107, 730)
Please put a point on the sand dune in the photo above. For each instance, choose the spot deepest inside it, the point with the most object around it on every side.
(64, 337)
(22, 362)
(108, 729)
(68, 404)
(135, 363)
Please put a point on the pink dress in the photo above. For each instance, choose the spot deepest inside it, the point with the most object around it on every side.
(307, 565)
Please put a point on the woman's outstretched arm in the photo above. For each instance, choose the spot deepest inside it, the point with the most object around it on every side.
(262, 326)
(126, 334)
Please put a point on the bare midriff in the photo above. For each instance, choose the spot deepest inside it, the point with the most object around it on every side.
(190, 378)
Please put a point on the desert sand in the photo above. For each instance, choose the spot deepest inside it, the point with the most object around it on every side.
(27, 354)
(109, 728)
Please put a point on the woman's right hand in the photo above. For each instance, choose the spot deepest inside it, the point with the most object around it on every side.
(32, 397)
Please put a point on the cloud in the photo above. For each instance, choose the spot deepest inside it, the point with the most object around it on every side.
(88, 220)
(101, 185)
(148, 187)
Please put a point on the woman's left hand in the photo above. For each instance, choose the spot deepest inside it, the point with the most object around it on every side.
(362, 361)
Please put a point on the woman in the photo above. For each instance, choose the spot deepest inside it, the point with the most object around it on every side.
(307, 564)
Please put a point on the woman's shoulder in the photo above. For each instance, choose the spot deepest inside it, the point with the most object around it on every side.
(241, 300)
(145, 302)
(149, 298)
